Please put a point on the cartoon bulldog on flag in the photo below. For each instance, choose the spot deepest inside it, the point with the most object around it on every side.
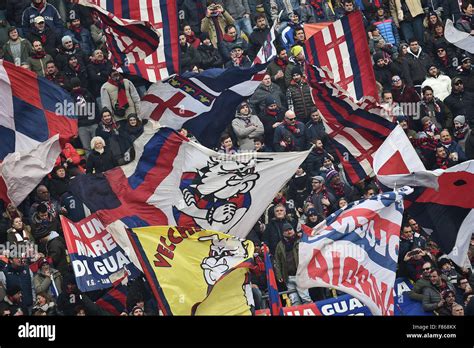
(217, 196)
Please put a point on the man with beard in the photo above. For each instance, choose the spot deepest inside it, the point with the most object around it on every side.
(209, 56)
(434, 108)
(416, 293)
(229, 39)
(271, 117)
(286, 265)
(315, 127)
(38, 60)
(432, 299)
(259, 35)
(298, 95)
(460, 102)
(323, 201)
(416, 64)
(465, 72)
(188, 54)
(441, 84)
(53, 75)
(265, 89)
(276, 69)
(290, 135)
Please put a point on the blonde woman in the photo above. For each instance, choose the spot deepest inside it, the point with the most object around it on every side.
(100, 159)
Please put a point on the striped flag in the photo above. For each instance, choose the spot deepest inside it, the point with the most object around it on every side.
(356, 129)
(163, 17)
(343, 49)
(273, 296)
(115, 300)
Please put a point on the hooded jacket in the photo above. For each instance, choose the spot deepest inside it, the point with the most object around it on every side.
(246, 134)
(415, 67)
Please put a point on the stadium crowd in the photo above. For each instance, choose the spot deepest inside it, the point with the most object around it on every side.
(413, 63)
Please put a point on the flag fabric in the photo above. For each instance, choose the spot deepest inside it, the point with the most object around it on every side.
(268, 50)
(356, 129)
(174, 181)
(195, 272)
(440, 203)
(458, 38)
(203, 103)
(128, 41)
(343, 49)
(163, 16)
(273, 296)
(96, 258)
(115, 300)
(33, 109)
(355, 250)
(22, 171)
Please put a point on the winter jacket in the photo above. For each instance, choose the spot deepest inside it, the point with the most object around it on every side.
(83, 38)
(38, 65)
(24, 235)
(209, 57)
(226, 46)
(388, 30)
(274, 231)
(315, 130)
(461, 104)
(15, 10)
(55, 247)
(117, 141)
(300, 100)
(315, 198)
(291, 64)
(58, 186)
(22, 277)
(246, 134)
(237, 8)
(464, 24)
(469, 146)
(109, 97)
(383, 76)
(100, 162)
(467, 77)
(295, 142)
(257, 101)
(51, 16)
(280, 261)
(416, 293)
(62, 57)
(188, 57)
(207, 26)
(256, 40)
(98, 74)
(414, 6)
(441, 86)
(244, 63)
(81, 74)
(25, 51)
(416, 67)
(272, 70)
(268, 121)
(44, 283)
(452, 9)
(432, 295)
(48, 39)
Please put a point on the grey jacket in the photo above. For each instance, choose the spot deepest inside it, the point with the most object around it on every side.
(246, 134)
(237, 8)
(432, 296)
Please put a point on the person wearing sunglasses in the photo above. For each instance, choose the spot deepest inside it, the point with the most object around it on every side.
(290, 135)
(416, 293)
(460, 101)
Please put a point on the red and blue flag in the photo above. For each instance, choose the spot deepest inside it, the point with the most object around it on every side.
(273, 296)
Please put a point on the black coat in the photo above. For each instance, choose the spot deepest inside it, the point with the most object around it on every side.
(256, 40)
(209, 57)
(315, 130)
(268, 122)
(414, 69)
(188, 57)
(98, 74)
(15, 10)
(461, 104)
(51, 39)
(100, 162)
(69, 73)
(383, 75)
(274, 232)
(58, 186)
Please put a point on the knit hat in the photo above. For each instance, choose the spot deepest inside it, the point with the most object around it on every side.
(430, 66)
(460, 119)
(295, 50)
(425, 120)
(43, 261)
(296, 70)
(455, 80)
(66, 38)
(441, 44)
(286, 226)
(331, 175)
(443, 262)
(311, 211)
(13, 290)
(377, 56)
(402, 118)
(318, 178)
(464, 58)
(270, 100)
(241, 105)
(75, 82)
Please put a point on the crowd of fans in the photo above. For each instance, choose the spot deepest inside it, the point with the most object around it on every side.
(413, 63)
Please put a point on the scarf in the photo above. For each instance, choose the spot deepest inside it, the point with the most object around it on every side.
(442, 163)
(446, 144)
(39, 6)
(325, 207)
(122, 95)
(460, 134)
(289, 243)
(292, 128)
(227, 38)
(282, 63)
(338, 189)
(39, 55)
(77, 68)
(272, 113)
(444, 60)
(244, 118)
(77, 33)
(281, 200)
(192, 40)
(109, 127)
(318, 8)
(43, 38)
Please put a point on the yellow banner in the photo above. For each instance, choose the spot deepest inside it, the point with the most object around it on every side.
(200, 272)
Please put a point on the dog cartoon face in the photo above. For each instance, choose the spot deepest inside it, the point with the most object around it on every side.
(224, 255)
(225, 179)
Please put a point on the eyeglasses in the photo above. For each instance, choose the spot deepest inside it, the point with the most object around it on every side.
(458, 83)
(441, 50)
(426, 269)
(396, 80)
(291, 119)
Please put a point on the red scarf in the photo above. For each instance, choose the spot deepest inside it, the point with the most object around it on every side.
(122, 95)
(43, 39)
(227, 38)
(338, 189)
(98, 62)
(272, 113)
(442, 163)
(292, 128)
(192, 40)
(281, 63)
(39, 6)
(460, 133)
(77, 69)
(109, 127)
(39, 55)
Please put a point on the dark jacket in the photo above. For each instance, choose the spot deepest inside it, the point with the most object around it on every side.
(226, 46)
(62, 57)
(21, 277)
(273, 233)
(383, 75)
(315, 130)
(268, 121)
(188, 57)
(415, 68)
(315, 198)
(294, 141)
(281, 264)
(48, 39)
(51, 16)
(256, 40)
(416, 293)
(209, 57)
(299, 97)
(432, 295)
(117, 141)
(58, 186)
(99, 163)
(461, 104)
(81, 74)
(98, 74)
(15, 10)
(26, 51)
(257, 101)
